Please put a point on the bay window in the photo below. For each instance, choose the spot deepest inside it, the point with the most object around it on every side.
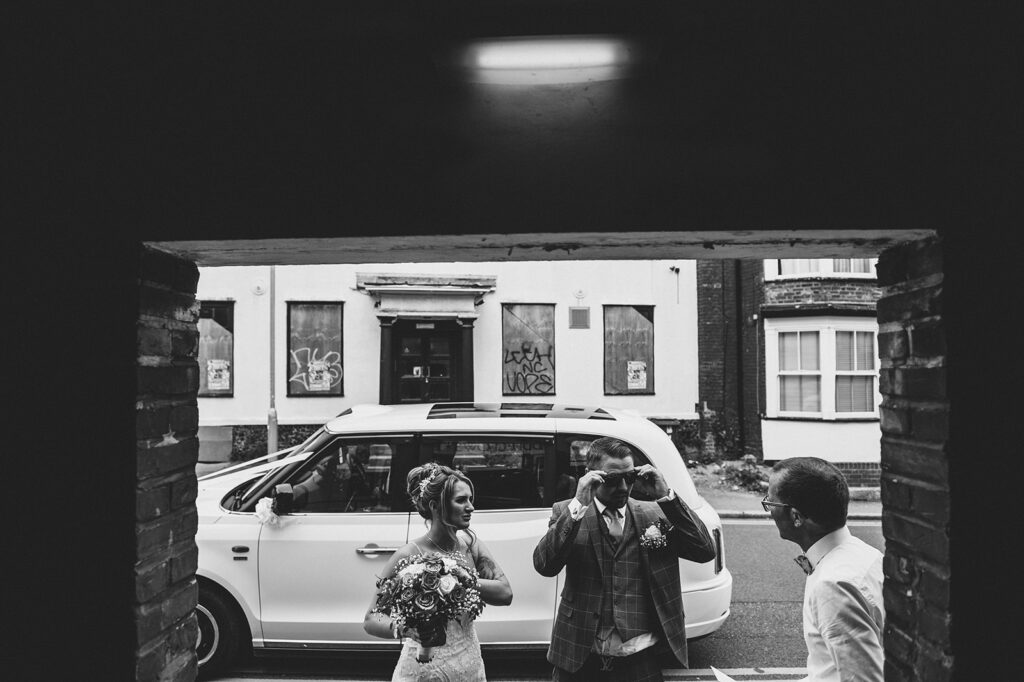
(821, 367)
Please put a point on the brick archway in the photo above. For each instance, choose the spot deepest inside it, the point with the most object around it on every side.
(914, 421)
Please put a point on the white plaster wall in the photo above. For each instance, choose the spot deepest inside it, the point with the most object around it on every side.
(834, 441)
(579, 353)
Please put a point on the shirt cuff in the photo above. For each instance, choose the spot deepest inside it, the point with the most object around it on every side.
(576, 510)
(671, 495)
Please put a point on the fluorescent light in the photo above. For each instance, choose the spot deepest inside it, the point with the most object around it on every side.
(549, 59)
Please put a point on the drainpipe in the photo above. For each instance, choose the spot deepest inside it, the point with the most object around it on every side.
(741, 329)
(272, 413)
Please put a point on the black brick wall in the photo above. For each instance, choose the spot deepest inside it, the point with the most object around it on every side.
(915, 478)
(167, 447)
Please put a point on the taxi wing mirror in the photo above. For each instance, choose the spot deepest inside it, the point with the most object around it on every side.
(284, 498)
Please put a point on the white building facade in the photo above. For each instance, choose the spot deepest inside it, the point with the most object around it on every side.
(299, 344)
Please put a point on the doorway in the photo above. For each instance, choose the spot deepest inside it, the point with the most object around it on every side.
(426, 355)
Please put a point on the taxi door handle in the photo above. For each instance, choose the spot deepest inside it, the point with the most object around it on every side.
(373, 549)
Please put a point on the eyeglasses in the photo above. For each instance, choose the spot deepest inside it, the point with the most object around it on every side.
(767, 506)
(613, 479)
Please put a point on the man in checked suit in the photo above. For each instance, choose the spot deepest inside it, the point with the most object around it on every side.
(621, 605)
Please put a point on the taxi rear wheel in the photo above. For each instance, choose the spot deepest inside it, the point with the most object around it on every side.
(220, 632)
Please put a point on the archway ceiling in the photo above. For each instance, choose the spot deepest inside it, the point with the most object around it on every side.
(335, 134)
(538, 246)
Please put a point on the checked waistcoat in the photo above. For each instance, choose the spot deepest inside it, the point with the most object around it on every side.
(626, 598)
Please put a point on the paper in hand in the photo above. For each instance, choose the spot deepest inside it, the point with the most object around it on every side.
(720, 676)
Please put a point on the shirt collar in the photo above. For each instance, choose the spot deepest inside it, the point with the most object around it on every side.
(816, 552)
(601, 507)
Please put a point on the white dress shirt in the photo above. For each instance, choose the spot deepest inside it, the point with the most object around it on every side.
(843, 610)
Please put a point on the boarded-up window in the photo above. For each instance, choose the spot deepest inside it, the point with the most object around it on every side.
(216, 348)
(314, 349)
(528, 343)
(628, 349)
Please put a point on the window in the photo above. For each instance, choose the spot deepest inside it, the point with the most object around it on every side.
(571, 464)
(799, 372)
(355, 475)
(216, 348)
(507, 471)
(792, 268)
(528, 342)
(855, 371)
(628, 349)
(314, 349)
(821, 367)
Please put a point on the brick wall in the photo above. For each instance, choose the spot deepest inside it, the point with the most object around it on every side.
(793, 291)
(729, 352)
(167, 447)
(915, 469)
(861, 474)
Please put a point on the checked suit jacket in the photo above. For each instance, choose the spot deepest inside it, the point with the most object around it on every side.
(577, 546)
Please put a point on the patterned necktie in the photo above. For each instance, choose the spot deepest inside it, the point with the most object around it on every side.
(614, 523)
(804, 563)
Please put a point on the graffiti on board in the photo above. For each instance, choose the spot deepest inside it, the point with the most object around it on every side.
(528, 364)
(313, 372)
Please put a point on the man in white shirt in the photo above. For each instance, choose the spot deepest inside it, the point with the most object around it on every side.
(843, 612)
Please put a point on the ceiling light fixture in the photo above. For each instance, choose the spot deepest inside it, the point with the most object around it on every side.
(547, 59)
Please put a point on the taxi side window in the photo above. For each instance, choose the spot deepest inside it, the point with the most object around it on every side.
(571, 463)
(507, 472)
(366, 475)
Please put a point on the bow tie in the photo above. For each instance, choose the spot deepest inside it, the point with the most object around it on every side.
(804, 563)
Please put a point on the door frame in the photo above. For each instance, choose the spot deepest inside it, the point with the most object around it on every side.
(461, 329)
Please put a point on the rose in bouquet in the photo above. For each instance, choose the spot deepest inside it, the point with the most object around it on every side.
(425, 592)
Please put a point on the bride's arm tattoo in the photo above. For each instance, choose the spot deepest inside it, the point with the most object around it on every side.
(488, 569)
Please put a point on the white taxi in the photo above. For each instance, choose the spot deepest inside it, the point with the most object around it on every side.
(301, 579)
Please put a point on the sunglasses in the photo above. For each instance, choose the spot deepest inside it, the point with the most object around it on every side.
(613, 479)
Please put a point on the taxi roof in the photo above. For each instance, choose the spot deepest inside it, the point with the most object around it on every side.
(420, 415)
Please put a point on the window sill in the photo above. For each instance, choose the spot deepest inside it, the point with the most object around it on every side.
(863, 277)
(820, 419)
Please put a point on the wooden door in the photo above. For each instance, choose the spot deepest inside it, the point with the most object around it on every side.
(426, 356)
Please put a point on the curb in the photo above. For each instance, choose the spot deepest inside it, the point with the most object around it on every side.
(860, 494)
(872, 494)
(728, 514)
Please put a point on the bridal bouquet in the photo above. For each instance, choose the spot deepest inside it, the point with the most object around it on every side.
(425, 592)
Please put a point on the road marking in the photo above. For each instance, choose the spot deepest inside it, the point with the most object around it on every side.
(776, 674)
(670, 674)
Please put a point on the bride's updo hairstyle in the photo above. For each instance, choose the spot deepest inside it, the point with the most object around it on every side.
(435, 483)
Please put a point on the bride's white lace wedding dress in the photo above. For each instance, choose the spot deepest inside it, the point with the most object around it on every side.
(457, 660)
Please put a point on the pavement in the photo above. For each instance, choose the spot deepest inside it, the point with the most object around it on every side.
(865, 503)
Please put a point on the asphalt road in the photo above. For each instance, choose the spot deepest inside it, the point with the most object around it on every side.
(761, 640)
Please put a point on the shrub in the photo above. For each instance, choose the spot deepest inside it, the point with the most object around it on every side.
(746, 473)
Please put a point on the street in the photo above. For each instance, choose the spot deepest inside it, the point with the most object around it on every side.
(761, 640)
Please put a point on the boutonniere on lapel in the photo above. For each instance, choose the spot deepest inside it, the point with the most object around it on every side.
(656, 535)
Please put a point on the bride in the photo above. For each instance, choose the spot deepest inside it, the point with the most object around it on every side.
(444, 497)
